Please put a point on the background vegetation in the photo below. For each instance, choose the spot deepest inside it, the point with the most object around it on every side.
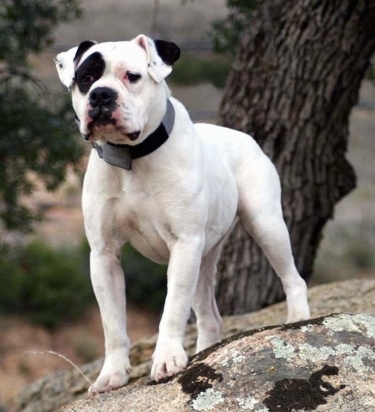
(52, 285)
(37, 139)
(44, 283)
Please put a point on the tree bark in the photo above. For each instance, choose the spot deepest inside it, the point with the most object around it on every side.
(292, 86)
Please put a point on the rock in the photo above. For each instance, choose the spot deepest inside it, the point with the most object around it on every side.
(326, 363)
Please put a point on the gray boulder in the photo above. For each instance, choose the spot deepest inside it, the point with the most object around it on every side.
(326, 363)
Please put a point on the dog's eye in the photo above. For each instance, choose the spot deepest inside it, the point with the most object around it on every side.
(87, 79)
(132, 77)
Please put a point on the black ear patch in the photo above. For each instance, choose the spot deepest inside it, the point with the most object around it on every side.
(168, 51)
(84, 46)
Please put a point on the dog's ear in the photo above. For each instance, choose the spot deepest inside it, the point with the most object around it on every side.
(168, 51)
(160, 56)
(67, 61)
(84, 46)
(65, 66)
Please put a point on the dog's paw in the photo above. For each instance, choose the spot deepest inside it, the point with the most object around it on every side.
(168, 359)
(297, 316)
(298, 306)
(112, 376)
(298, 311)
(108, 383)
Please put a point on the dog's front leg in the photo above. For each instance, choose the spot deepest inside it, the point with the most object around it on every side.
(183, 271)
(109, 286)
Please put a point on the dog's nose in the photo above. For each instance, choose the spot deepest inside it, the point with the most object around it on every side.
(102, 96)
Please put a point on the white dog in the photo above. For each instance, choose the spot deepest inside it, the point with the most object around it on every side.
(171, 189)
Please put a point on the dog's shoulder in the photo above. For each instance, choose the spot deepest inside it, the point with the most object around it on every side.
(232, 146)
(223, 136)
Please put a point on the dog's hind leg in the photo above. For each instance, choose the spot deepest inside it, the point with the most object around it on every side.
(261, 214)
(209, 322)
(271, 234)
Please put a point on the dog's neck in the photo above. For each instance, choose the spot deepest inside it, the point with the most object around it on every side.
(123, 155)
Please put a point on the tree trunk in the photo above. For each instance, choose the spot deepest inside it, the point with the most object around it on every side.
(292, 86)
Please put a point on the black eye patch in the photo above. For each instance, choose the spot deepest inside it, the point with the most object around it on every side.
(89, 72)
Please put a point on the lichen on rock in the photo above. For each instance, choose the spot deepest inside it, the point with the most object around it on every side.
(206, 400)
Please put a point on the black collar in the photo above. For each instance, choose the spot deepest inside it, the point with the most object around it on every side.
(122, 155)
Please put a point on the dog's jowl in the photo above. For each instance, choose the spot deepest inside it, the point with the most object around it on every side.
(170, 188)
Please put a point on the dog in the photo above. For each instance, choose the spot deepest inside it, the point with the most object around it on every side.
(173, 190)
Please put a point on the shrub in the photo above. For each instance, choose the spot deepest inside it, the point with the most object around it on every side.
(194, 70)
(51, 285)
(46, 284)
(146, 281)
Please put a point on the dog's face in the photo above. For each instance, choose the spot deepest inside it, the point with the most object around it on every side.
(118, 88)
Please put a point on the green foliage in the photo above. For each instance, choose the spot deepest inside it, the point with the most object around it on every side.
(226, 33)
(28, 25)
(146, 282)
(48, 285)
(38, 137)
(194, 70)
(51, 286)
(36, 128)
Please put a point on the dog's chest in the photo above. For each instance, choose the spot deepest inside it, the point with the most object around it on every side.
(142, 218)
(151, 208)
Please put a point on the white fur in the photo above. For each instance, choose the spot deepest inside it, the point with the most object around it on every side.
(176, 206)
(65, 66)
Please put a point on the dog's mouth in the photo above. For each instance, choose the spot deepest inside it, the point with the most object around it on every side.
(104, 119)
(101, 116)
(106, 128)
(103, 123)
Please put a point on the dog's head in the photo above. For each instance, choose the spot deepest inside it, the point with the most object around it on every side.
(118, 89)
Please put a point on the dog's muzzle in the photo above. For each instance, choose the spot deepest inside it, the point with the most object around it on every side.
(103, 103)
